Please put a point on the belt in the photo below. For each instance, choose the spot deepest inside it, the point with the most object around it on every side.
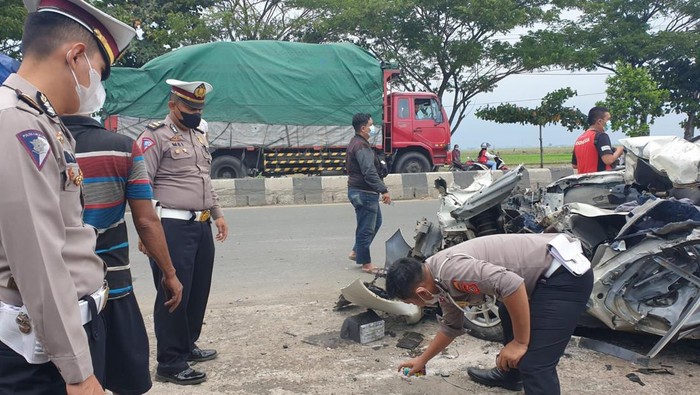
(552, 268)
(185, 215)
(17, 333)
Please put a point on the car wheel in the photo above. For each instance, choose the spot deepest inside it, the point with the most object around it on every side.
(482, 321)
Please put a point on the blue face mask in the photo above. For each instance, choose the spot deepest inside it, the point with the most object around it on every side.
(608, 126)
(373, 131)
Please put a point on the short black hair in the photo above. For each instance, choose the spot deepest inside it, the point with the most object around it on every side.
(359, 120)
(44, 32)
(403, 277)
(595, 114)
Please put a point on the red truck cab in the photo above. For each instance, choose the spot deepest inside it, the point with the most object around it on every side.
(416, 130)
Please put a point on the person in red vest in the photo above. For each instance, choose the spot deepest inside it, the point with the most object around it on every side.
(592, 150)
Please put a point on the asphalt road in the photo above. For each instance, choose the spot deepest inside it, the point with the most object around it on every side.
(286, 250)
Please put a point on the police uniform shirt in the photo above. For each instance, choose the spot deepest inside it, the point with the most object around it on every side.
(179, 165)
(47, 258)
(494, 265)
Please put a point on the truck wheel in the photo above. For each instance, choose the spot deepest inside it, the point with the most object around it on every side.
(226, 166)
(413, 162)
(483, 322)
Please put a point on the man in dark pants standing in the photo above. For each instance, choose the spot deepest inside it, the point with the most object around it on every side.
(364, 189)
(115, 174)
(542, 298)
(177, 157)
(52, 337)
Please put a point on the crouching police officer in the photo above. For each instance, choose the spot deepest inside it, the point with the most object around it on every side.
(177, 157)
(51, 281)
(543, 282)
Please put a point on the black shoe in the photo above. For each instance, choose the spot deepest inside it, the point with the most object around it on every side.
(188, 376)
(199, 355)
(496, 378)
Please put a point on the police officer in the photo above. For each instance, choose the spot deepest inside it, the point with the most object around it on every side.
(177, 157)
(51, 281)
(543, 282)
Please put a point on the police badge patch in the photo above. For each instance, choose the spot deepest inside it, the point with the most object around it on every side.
(36, 145)
(147, 143)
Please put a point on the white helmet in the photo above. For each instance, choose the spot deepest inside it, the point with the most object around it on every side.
(485, 145)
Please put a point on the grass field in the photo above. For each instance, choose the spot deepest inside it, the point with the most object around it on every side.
(530, 156)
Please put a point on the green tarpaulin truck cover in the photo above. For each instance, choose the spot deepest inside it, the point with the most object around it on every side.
(270, 84)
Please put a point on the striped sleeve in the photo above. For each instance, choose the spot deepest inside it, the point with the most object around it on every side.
(138, 185)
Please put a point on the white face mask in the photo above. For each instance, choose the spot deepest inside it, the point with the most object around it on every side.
(373, 131)
(608, 126)
(93, 96)
(432, 301)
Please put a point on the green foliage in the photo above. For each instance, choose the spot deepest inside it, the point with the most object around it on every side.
(12, 15)
(634, 99)
(443, 46)
(550, 111)
(165, 25)
(661, 35)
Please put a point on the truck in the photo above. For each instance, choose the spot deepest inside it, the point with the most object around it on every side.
(281, 108)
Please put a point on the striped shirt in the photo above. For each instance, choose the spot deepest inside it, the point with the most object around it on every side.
(114, 171)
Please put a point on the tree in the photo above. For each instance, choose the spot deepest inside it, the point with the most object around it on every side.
(12, 16)
(655, 34)
(235, 20)
(550, 111)
(444, 46)
(634, 99)
(166, 25)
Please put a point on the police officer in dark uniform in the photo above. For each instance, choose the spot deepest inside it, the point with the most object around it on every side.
(52, 338)
(177, 157)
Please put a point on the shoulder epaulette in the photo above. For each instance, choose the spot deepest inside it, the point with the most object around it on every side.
(155, 125)
(28, 100)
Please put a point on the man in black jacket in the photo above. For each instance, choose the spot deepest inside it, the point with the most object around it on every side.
(364, 189)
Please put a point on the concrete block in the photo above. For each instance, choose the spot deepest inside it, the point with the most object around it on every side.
(415, 185)
(560, 172)
(431, 177)
(279, 191)
(536, 178)
(226, 190)
(250, 191)
(394, 183)
(307, 190)
(334, 189)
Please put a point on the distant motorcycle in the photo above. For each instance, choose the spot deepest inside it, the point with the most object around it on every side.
(472, 165)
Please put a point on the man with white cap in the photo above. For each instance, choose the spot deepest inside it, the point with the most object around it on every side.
(176, 152)
(51, 280)
(543, 282)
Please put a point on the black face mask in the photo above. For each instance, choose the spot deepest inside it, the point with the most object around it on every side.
(190, 120)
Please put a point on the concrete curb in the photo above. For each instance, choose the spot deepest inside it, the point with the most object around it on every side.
(333, 189)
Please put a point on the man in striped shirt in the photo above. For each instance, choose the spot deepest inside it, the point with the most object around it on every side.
(114, 173)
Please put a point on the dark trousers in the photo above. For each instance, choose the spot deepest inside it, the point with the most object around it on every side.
(555, 307)
(191, 246)
(18, 377)
(127, 370)
(369, 220)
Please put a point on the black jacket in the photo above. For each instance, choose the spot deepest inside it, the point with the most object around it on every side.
(363, 166)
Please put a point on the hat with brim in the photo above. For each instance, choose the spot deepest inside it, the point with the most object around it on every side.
(192, 94)
(113, 36)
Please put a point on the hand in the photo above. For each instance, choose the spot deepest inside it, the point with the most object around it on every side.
(88, 387)
(619, 151)
(386, 199)
(510, 355)
(173, 292)
(143, 249)
(416, 364)
(223, 229)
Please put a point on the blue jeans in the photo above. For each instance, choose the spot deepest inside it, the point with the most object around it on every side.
(369, 220)
(492, 164)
